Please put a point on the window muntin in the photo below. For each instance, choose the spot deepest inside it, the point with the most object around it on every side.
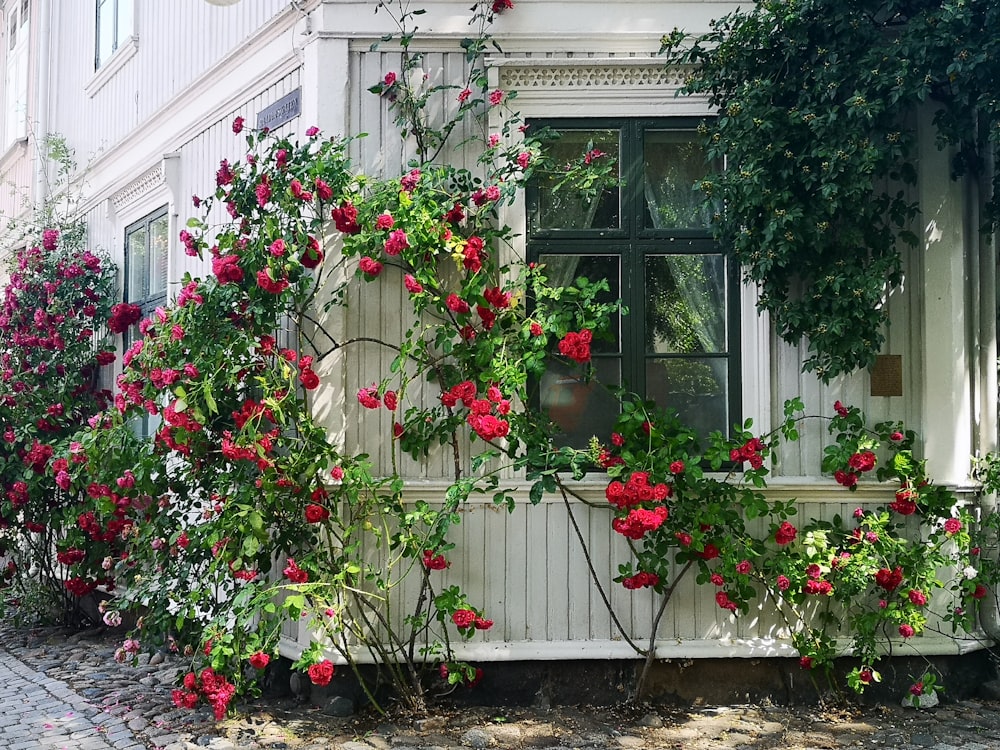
(677, 344)
(114, 27)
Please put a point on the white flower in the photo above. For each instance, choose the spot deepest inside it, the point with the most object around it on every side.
(970, 572)
(112, 619)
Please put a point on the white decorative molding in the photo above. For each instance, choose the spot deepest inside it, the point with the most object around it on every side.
(576, 74)
(116, 62)
(140, 186)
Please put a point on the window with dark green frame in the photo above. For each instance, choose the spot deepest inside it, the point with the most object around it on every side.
(146, 245)
(647, 233)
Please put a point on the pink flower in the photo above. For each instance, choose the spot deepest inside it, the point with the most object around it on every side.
(496, 97)
(294, 573)
(783, 583)
(952, 526)
(744, 567)
(917, 689)
(368, 397)
(370, 267)
(397, 242)
(238, 125)
(906, 630)
(840, 409)
(917, 597)
(463, 618)
(677, 467)
(389, 79)
(457, 305)
(412, 285)
(384, 221)
(464, 94)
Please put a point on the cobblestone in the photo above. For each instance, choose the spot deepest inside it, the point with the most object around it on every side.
(64, 691)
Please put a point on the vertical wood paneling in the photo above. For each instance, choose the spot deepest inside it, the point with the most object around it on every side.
(177, 42)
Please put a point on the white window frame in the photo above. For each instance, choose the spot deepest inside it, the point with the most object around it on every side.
(117, 18)
(16, 41)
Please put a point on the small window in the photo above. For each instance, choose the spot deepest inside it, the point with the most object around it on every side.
(146, 245)
(647, 233)
(17, 29)
(114, 27)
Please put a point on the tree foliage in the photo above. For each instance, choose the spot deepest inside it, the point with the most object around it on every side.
(818, 105)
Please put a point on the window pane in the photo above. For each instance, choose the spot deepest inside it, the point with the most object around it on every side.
(123, 27)
(685, 304)
(158, 246)
(138, 265)
(696, 388)
(581, 410)
(569, 207)
(105, 30)
(674, 165)
(563, 270)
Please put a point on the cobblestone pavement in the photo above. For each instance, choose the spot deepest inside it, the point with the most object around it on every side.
(64, 690)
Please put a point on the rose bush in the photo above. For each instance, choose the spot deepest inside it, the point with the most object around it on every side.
(53, 349)
(239, 513)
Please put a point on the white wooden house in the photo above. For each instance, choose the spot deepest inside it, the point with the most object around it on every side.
(146, 91)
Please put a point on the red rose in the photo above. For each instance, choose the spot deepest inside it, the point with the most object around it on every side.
(259, 660)
(889, 579)
(316, 513)
(785, 534)
(463, 618)
(309, 379)
(321, 673)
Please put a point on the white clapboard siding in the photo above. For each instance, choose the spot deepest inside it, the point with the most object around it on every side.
(176, 43)
(526, 570)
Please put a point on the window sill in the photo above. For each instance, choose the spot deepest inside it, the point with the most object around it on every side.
(113, 64)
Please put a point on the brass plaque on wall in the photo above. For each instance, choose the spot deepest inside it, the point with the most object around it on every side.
(887, 375)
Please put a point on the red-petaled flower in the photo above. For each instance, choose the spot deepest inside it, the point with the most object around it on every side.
(576, 346)
(238, 125)
(259, 660)
(499, 6)
(294, 573)
(434, 562)
(785, 534)
(463, 618)
(316, 513)
(321, 673)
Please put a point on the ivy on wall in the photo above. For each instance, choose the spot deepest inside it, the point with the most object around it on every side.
(818, 102)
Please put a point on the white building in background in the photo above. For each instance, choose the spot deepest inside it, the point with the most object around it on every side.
(145, 91)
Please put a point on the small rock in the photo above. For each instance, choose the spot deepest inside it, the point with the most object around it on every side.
(627, 740)
(651, 720)
(429, 724)
(156, 658)
(476, 738)
(339, 705)
(927, 700)
(990, 690)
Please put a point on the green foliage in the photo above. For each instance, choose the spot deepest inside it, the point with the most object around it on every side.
(818, 103)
